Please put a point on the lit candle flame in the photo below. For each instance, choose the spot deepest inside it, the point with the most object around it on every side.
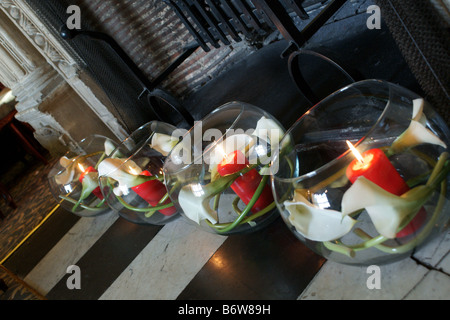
(357, 154)
(80, 166)
(219, 149)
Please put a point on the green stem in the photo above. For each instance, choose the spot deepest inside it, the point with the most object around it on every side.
(100, 160)
(164, 198)
(148, 209)
(154, 209)
(369, 243)
(235, 205)
(77, 204)
(101, 203)
(71, 200)
(270, 207)
(247, 209)
(260, 213)
(247, 219)
(439, 172)
(216, 202)
(351, 250)
(339, 248)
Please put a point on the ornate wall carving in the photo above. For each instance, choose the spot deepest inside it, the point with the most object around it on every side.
(37, 68)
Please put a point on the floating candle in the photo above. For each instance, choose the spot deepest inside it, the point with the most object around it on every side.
(245, 185)
(376, 167)
(153, 191)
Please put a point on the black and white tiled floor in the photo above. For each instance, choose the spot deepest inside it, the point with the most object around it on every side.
(121, 260)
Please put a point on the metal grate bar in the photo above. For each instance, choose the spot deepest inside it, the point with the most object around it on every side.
(188, 24)
(281, 18)
(214, 27)
(200, 22)
(224, 24)
(247, 14)
(235, 18)
(212, 21)
(297, 7)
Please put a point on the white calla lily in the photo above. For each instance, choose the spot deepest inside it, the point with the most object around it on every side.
(195, 199)
(416, 133)
(195, 204)
(65, 162)
(270, 131)
(125, 172)
(418, 115)
(163, 143)
(109, 147)
(387, 211)
(315, 223)
(67, 175)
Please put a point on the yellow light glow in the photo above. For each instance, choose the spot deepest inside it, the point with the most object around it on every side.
(356, 153)
(133, 170)
(80, 166)
(221, 152)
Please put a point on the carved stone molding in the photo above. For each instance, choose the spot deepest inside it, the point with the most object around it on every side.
(24, 68)
(36, 32)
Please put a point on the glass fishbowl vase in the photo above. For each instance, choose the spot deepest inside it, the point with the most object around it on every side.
(218, 175)
(73, 179)
(363, 178)
(132, 180)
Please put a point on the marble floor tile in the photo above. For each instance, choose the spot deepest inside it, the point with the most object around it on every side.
(435, 250)
(68, 251)
(339, 282)
(167, 264)
(435, 285)
(444, 265)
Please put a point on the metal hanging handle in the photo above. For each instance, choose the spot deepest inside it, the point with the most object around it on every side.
(304, 86)
(163, 103)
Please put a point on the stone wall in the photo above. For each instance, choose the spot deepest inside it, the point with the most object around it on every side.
(54, 94)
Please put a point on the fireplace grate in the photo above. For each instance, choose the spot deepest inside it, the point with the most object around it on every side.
(212, 22)
(216, 22)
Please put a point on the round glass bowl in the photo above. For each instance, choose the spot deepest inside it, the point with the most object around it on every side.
(375, 207)
(132, 180)
(218, 175)
(73, 179)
